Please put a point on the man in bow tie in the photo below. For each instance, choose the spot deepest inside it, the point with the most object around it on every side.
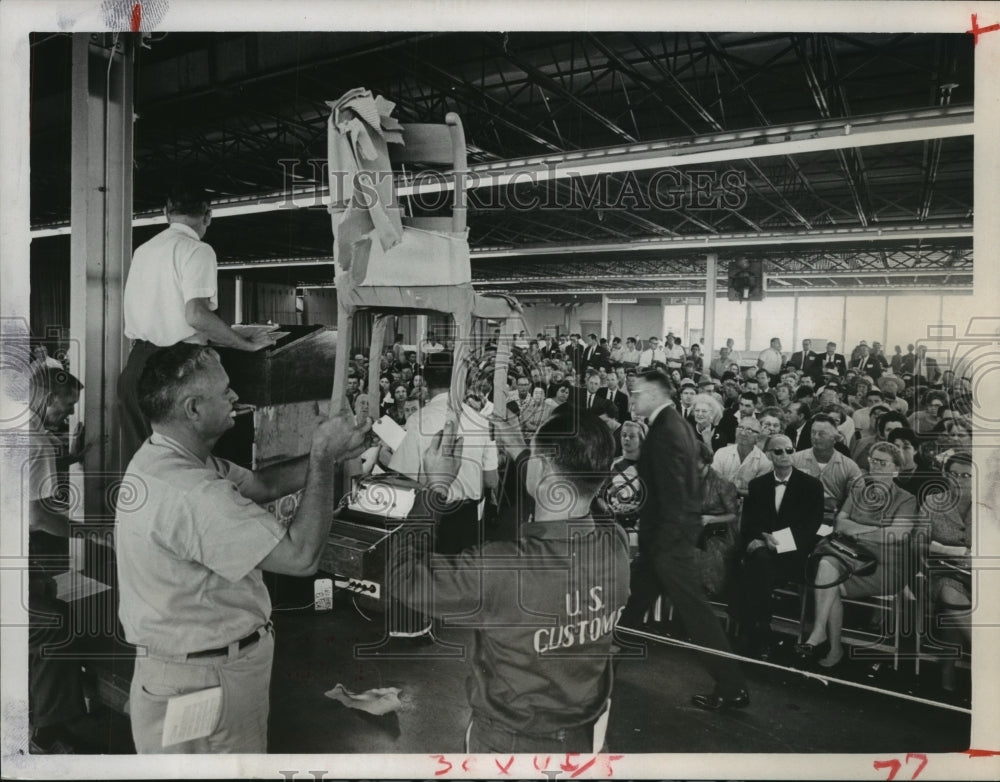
(781, 517)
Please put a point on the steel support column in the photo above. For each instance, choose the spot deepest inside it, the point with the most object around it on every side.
(747, 330)
(604, 316)
(708, 339)
(101, 245)
(238, 295)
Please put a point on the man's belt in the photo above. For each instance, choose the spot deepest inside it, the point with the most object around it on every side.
(255, 636)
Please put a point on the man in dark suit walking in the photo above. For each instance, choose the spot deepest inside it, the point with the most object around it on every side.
(669, 526)
(802, 360)
(781, 516)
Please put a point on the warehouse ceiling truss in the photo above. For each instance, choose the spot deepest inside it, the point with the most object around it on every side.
(586, 151)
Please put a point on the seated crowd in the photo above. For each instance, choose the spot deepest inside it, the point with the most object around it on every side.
(794, 447)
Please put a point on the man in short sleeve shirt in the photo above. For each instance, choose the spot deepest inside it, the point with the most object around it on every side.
(191, 545)
(171, 296)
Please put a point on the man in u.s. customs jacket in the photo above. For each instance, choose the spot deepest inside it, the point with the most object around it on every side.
(543, 607)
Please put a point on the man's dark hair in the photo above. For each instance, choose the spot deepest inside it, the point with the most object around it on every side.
(437, 370)
(605, 406)
(803, 392)
(579, 444)
(904, 434)
(749, 395)
(187, 199)
(772, 410)
(660, 378)
(50, 380)
(892, 415)
(824, 418)
(168, 371)
(958, 457)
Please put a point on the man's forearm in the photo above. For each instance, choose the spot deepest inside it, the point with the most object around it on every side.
(311, 526)
(213, 327)
(281, 479)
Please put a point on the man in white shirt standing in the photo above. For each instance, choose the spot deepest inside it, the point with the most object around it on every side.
(770, 360)
(652, 354)
(459, 526)
(171, 295)
(674, 353)
(734, 355)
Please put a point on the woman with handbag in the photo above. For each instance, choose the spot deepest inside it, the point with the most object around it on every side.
(864, 555)
(720, 506)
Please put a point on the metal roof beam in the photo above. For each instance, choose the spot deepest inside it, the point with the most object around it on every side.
(706, 242)
(546, 82)
(782, 277)
(892, 287)
(895, 128)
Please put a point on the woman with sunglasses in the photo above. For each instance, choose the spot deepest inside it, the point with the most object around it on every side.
(880, 516)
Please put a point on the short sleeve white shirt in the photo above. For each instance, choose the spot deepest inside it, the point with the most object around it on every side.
(479, 452)
(168, 271)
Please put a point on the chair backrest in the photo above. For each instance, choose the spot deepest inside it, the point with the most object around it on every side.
(439, 145)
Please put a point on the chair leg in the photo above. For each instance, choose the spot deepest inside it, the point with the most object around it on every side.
(345, 321)
(803, 608)
(374, 358)
(897, 608)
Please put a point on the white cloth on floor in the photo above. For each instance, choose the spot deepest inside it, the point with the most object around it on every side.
(378, 701)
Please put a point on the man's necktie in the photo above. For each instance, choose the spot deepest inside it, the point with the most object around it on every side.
(779, 496)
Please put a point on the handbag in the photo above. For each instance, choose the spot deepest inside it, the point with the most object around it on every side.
(858, 559)
(716, 554)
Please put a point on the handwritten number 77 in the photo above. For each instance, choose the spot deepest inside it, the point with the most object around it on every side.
(894, 765)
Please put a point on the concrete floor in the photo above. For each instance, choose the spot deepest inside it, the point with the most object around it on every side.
(790, 713)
